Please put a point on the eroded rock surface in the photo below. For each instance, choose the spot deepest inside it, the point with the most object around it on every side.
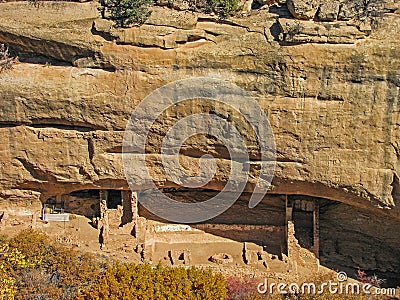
(303, 9)
(334, 109)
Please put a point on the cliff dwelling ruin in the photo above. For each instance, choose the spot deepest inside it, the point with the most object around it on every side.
(280, 234)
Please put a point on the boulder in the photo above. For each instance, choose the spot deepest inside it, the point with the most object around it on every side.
(329, 11)
(303, 9)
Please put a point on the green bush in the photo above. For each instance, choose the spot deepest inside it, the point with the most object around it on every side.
(225, 8)
(125, 13)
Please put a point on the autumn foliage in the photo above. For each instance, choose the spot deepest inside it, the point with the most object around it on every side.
(33, 267)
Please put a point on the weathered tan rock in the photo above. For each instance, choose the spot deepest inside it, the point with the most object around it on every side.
(152, 36)
(161, 16)
(60, 36)
(303, 9)
(325, 10)
(347, 11)
(333, 108)
(329, 11)
(297, 31)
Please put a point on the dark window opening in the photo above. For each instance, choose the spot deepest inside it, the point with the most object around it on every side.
(303, 226)
(114, 199)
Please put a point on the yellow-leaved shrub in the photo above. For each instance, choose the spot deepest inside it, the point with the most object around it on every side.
(11, 260)
(144, 282)
(34, 267)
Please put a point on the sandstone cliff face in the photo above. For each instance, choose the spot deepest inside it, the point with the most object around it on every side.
(330, 89)
(334, 109)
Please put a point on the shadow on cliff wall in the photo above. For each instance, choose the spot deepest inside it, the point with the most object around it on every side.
(352, 238)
